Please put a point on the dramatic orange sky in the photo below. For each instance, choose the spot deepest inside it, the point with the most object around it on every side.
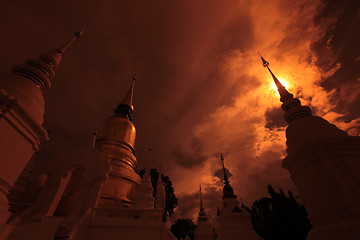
(201, 88)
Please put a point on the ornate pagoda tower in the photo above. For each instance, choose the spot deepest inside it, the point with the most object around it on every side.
(204, 230)
(233, 222)
(324, 164)
(21, 117)
(115, 141)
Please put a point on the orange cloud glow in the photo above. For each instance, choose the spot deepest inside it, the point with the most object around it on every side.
(283, 32)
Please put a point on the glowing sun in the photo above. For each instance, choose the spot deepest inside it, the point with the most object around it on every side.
(283, 81)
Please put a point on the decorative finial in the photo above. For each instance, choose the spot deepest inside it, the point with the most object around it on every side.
(281, 89)
(128, 100)
(76, 35)
(201, 201)
(265, 63)
(126, 108)
(223, 165)
(291, 105)
(202, 214)
(41, 71)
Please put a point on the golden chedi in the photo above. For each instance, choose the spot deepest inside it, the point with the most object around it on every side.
(115, 140)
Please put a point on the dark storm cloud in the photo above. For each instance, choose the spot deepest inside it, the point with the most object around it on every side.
(275, 118)
(159, 41)
(188, 204)
(339, 46)
(168, 45)
(192, 157)
(268, 172)
(219, 173)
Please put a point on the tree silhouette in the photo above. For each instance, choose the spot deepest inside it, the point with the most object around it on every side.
(279, 217)
(183, 227)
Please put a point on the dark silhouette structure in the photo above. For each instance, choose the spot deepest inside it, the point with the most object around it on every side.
(279, 217)
(323, 162)
(204, 230)
(183, 227)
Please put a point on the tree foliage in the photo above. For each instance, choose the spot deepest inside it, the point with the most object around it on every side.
(183, 227)
(279, 217)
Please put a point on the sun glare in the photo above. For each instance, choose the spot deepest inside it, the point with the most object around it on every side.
(284, 82)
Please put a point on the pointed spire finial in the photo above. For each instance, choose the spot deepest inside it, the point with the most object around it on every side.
(63, 49)
(42, 70)
(126, 108)
(289, 102)
(223, 165)
(201, 201)
(281, 89)
(265, 63)
(128, 100)
(202, 214)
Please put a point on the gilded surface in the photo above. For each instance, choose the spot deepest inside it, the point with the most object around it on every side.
(118, 130)
(115, 141)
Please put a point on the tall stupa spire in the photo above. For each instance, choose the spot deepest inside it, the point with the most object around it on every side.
(224, 170)
(204, 230)
(201, 202)
(42, 70)
(228, 191)
(126, 108)
(292, 106)
(202, 214)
